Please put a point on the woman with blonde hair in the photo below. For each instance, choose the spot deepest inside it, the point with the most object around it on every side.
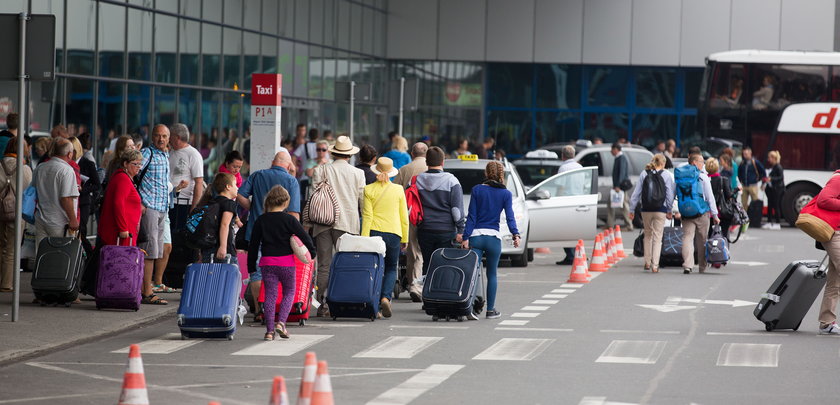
(658, 187)
(398, 152)
(385, 214)
(721, 189)
(774, 187)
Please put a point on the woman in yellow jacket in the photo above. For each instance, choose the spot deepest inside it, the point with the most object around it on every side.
(385, 214)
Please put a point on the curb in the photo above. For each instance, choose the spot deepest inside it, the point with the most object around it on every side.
(18, 356)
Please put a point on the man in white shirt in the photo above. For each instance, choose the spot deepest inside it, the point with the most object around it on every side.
(185, 165)
(58, 193)
(569, 163)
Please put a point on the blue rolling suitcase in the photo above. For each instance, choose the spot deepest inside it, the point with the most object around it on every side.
(453, 288)
(210, 301)
(355, 285)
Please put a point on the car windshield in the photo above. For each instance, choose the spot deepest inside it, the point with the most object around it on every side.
(532, 175)
(470, 178)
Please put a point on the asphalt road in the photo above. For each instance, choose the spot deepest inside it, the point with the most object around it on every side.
(695, 341)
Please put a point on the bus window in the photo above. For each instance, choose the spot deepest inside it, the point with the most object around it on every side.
(776, 86)
(727, 85)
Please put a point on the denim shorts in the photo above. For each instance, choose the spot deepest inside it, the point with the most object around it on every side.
(256, 276)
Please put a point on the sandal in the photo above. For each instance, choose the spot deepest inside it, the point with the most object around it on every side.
(280, 328)
(162, 288)
(154, 300)
(268, 336)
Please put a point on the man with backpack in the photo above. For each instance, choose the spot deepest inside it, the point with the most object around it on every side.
(413, 255)
(656, 197)
(621, 182)
(569, 163)
(696, 204)
(750, 172)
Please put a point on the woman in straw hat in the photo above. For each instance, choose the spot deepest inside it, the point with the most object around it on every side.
(385, 215)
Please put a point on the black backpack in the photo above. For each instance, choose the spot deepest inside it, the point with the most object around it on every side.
(202, 227)
(653, 191)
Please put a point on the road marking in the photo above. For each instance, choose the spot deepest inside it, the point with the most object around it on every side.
(415, 386)
(632, 352)
(166, 344)
(750, 264)
(749, 355)
(33, 399)
(562, 291)
(524, 314)
(399, 347)
(555, 295)
(666, 307)
(601, 401)
(594, 274)
(644, 332)
(732, 303)
(569, 285)
(514, 349)
(287, 348)
(535, 329)
(428, 327)
(545, 302)
(774, 334)
(534, 308)
(331, 325)
(771, 248)
(513, 322)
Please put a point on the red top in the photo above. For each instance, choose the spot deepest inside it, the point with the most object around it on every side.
(224, 169)
(121, 210)
(826, 205)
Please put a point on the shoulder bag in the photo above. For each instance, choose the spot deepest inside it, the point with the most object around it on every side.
(322, 207)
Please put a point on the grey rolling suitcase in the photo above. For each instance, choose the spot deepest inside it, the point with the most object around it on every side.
(790, 297)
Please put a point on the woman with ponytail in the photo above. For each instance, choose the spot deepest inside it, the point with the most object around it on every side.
(385, 214)
(481, 233)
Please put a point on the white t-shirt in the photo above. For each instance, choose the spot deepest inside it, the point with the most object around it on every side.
(305, 153)
(185, 164)
(53, 180)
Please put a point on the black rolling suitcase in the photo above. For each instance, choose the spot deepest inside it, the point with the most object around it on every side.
(790, 297)
(755, 211)
(58, 270)
(453, 287)
(671, 253)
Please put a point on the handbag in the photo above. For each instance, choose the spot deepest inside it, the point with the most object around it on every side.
(625, 184)
(300, 250)
(815, 227)
(639, 245)
(322, 207)
(616, 199)
(30, 201)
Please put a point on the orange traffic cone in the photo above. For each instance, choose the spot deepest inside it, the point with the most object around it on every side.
(582, 247)
(322, 393)
(214, 403)
(542, 250)
(619, 244)
(579, 273)
(279, 396)
(608, 249)
(598, 259)
(134, 381)
(307, 381)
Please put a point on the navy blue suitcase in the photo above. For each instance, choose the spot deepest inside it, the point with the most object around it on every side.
(210, 301)
(355, 285)
(453, 287)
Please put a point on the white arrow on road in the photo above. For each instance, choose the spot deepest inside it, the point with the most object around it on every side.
(667, 308)
(750, 264)
(733, 303)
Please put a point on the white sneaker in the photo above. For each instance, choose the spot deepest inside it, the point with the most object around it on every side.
(767, 226)
(777, 227)
(832, 329)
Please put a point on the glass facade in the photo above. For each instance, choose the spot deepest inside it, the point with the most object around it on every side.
(124, 65)
(528, 105)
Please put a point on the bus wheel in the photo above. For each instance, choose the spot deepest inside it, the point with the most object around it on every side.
(795, 198)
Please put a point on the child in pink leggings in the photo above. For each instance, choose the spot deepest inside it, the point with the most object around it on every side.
(270, 237)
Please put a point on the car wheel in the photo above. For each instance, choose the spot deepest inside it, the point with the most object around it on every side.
(795, 198)
(530, 255)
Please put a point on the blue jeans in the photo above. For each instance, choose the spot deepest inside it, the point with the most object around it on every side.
(429, 242)
(492, 247)
(392, 259)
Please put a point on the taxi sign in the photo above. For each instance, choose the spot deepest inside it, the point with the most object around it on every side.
(541, 154)
(469, 158)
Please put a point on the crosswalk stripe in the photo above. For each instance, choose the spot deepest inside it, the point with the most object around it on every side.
(569, 285)
(286, 347)
(415, 386)
(545, 302)
(632, 352)
(555, 295)
(399, 347)
(562, 291)
(749, 355)
(514, 349)
(534, 308)
(524, 314)
(513, 322)
(601, 401)
(166, 344)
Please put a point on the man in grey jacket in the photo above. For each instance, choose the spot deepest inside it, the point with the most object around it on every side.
(443, 207)
(621, 181)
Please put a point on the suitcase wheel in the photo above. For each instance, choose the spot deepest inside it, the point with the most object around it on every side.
(98, 308)
(335, 317)
(462, 318)
(796, 328)
(184, 336)
(302, 322)
(769, 326)
(230, 337)
(448, 319)
(67, 305)
(372, 318)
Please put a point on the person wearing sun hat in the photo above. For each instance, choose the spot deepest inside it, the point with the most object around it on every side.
(385, 214)
(348, 183)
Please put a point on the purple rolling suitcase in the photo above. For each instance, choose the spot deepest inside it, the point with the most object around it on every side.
(120, 278)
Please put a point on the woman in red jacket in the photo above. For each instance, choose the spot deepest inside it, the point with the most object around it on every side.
(122, 208)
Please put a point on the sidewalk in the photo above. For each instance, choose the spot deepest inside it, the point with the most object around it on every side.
(43, 329)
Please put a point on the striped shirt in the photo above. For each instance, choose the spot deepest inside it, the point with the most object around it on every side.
(154, 190)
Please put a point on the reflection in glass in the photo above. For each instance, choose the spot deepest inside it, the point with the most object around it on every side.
(210, 48)
(81, 37)
(509, 84)
(110, 110)
(189, 50)
(251, 60)
(608, 127)
(655, 88)
(557, 127)
(79, 108)
(608, 86)
(139, 44)
(164, 105)
(138, 97)
(558, 86)
(111, 40)
(511, 129)
(165, 48)
(233, 51)
(188, 108)
(651, 128)
(301, 66)
(693, 80)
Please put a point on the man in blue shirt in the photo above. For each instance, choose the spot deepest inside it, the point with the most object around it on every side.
(252, 195)
(154, 191)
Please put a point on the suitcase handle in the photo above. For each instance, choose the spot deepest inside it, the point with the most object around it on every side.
(822, 270)
(227, 258)
(466, 253)
(130, 239)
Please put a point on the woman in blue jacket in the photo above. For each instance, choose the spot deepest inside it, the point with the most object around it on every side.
(481, 232)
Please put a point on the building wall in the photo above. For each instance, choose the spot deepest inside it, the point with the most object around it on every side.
(620, 32)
